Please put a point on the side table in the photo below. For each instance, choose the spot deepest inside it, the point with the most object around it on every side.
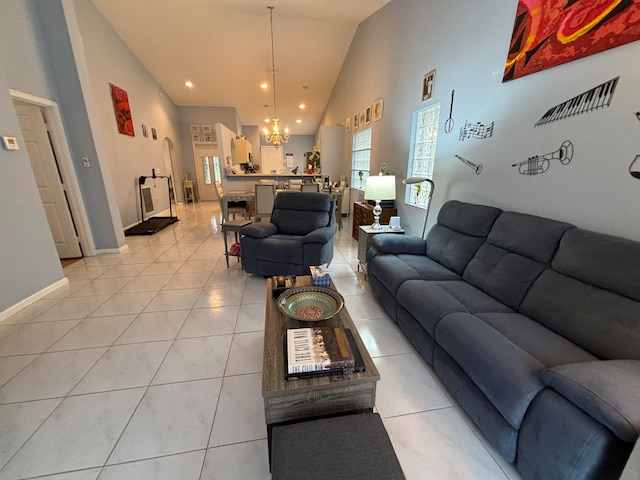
(232, 226)
(365, 237)
(189, 190)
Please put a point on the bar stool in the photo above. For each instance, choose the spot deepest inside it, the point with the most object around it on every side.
(232, 226)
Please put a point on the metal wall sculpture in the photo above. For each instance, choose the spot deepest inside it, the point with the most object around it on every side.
(597, 97)
(477, 130)
(476, 167)
(539, 164)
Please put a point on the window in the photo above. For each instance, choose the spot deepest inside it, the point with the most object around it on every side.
(360, 158)
(423, 153)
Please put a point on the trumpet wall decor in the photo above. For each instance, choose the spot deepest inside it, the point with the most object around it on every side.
(539, 164)
(476, 167)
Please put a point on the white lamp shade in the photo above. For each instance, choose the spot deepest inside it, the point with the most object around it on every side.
(380, 187)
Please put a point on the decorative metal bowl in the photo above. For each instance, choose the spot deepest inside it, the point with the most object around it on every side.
(310, 304)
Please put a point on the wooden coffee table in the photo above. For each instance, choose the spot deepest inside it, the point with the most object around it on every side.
(292, 400)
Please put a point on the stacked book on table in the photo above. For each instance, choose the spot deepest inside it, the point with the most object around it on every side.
(317, 351)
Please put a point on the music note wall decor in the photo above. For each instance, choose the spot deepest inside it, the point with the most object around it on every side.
(477, 168)
(540, 163)
(478, 130)
(597, 97)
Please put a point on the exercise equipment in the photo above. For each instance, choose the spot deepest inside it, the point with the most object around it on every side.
(151, 225)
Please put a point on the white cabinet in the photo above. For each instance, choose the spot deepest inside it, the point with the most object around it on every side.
(241, 151)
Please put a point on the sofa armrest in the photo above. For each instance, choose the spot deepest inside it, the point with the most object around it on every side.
(608, 390)
(259, 230)
(319, 235)
(394, 243)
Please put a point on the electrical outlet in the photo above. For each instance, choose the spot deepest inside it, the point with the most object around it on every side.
(85, 162)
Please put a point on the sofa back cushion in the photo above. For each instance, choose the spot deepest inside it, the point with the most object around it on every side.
(518, 249)
(461, 229)
(591, 294)
(299, 213)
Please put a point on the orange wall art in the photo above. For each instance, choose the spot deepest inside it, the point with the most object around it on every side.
(122, 110)
(548, 33)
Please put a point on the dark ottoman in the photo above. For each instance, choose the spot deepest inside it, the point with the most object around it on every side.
(348, 447)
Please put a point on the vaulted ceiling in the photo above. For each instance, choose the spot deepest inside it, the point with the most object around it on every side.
(224, 48)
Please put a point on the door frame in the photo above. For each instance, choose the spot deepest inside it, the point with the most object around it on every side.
(61, 149)
(199, 170)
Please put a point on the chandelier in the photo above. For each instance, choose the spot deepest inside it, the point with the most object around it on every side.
(274, 136)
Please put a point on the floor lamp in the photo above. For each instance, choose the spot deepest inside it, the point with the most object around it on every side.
(414, 180)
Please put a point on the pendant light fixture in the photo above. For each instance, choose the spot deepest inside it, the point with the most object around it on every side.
(274, 136)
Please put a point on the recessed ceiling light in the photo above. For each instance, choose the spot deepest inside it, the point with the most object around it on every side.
(302, 106)
(298, 121)
(264, 86)
(188, 83)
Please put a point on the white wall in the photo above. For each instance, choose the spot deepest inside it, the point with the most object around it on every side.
(109, 60)
(467, 42)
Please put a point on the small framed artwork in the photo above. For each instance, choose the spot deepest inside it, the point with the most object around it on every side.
(207, 136)
(195, 137)
(361, 121)
(367, 115)
(195, 128)
(145, 132)
(154, 134)
(206, 128)
(356, 118)
(347, 125)
(427, 85)
(377, 110)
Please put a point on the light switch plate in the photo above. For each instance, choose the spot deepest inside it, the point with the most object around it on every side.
(10, 143)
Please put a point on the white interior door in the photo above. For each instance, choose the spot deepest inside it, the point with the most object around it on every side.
(205, 172)
(50, 186)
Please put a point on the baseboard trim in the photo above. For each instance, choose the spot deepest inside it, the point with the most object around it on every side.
(22, 304)
(121, 249)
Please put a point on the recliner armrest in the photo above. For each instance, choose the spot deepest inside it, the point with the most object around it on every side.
(608, 390)
(319, 235)
(394, 243)
(259, 230)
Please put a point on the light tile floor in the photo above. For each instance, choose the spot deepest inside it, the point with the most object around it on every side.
(148, 366)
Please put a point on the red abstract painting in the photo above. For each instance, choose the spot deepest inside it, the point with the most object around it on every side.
(548, 33)
(122, 110)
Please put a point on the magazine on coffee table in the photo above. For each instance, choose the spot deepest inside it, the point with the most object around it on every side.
(319, 351)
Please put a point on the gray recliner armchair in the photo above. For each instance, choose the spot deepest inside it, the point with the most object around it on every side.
(299, 235)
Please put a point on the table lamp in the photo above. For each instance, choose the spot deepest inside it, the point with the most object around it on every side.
(378, 188)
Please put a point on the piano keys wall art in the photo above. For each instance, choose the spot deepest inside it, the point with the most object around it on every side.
(548, 33)
(597, 97)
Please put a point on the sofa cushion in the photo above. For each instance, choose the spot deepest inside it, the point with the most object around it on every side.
(518, 248)
(281, 248)
(298, 213)
(507, 375)
(429, 301)
(606, 390)
(428, 269)
(591, 257)
(391, 271)
(460, 231)
(543, 344)
(602, 322)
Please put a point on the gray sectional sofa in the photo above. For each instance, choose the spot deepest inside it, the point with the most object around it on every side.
(534, 326)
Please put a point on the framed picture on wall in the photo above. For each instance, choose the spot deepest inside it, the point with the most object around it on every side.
(207, 137)
(361, 121)
(428, 83)
(367, 115)
(195, 128)
(195, 137)
(145, 132)
(347, 125)
(356, 117)
(206, 128)
(377, 110)
(154, 134)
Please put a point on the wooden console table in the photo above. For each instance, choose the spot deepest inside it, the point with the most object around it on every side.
(363, 216)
